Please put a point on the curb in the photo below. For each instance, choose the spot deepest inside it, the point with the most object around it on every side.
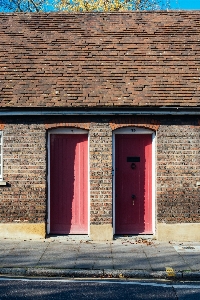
(104, 273)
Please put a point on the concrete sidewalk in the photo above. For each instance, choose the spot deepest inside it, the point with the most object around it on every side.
(79, 257)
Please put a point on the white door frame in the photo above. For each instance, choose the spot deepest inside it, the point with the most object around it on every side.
(137, 130)
(69, 130)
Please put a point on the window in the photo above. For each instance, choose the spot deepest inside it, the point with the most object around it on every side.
(1, 156)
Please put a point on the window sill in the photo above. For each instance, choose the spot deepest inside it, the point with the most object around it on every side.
(3, 183)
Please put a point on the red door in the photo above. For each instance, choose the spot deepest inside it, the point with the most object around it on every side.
(133, 183)
(68, 183)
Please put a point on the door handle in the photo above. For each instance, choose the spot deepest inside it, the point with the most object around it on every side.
(133, 166)
(133, 197)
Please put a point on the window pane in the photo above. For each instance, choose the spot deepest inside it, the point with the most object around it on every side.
(1, 155)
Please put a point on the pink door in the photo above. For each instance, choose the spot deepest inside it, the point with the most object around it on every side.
(69, 183)
(133, 183)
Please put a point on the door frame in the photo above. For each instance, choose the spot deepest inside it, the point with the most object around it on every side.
(69, 130)
(137, 130)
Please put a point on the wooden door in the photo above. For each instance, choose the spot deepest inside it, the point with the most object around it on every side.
(68, 184)
(133, 183)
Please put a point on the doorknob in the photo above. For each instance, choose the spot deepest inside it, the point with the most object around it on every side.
(133, 166)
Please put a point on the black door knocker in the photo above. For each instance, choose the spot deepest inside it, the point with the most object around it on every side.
(133, 166)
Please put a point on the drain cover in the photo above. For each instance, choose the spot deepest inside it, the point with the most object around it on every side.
(187, 248)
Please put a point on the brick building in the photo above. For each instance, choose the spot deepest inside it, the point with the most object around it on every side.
(99, 124)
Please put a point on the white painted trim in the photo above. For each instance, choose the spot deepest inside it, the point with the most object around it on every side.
(132, 130)
(69, 130)
(1, 160)
(88, 183)
(48, 182)
(113, 180)
(153, 182)
(137, 130)
(3, 183)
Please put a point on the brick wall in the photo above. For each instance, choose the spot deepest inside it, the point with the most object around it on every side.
(101, 172)
(24, 160)
(178, 171)
(25, 168)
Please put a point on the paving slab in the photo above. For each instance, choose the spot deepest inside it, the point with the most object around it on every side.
(7, 245)
(126, 257)
(131, 265)
(103, 264)
(84, 264)
(32, 244)
(19, 261)
(57, 253)
(59, 264)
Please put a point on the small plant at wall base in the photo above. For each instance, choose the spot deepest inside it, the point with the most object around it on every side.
(81, 5)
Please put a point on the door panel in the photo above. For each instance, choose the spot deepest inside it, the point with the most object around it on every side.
(69, 183)
(133, 183)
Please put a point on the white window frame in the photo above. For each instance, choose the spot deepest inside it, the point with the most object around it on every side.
(1, 155)
(2, 182)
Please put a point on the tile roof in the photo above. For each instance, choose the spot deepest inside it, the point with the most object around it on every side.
(135, 59)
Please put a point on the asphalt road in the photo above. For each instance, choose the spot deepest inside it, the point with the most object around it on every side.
(99, 289)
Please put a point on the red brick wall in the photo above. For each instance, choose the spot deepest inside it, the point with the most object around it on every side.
(101, 172)
(25, 167)
(24, 160)
(178, 171)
